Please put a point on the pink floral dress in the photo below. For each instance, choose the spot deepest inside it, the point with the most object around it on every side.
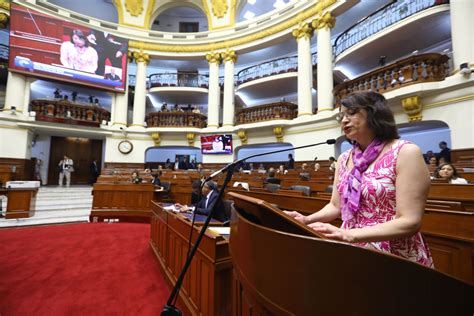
(378, 203)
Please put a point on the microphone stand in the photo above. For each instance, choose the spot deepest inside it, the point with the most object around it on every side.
(170, 309)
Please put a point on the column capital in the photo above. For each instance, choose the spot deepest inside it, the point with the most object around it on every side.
(327, 20)
(303, 30)
(413, 108)
(229, 55)
(213, 57)
(3, 20)
(141, 57)
(4, 4)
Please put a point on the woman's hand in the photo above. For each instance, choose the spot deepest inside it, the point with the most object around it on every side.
(333, 232)
(299, 217)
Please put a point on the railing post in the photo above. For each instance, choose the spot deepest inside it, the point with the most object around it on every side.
(323, 26)
(214, 60)
(305, 69)
(229, 57)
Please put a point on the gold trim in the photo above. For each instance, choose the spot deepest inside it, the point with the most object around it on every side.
(229, 55)
(3, 20)
(278, 131)
(156, 138)
(326, 21)
(219, 8)
(449, 101)
(119, 123)
(5, 5)
(212, 126)
(243, 136)
(232, 12)
(228, 125)
(303, 114)
(134, 7)
(319, 7)
(309, 130)
(190, 137)
(121, 19)
(303, 30)
(413, 108)
(324, 110)
(141, 57)
(214, 57)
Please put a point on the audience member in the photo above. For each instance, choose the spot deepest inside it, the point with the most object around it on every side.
(333, 163)
(136, 178)
(429, 154)
(261, 168)
(164, 108)
(192, 164)
(433, 164)
(281, 170)
(445, 151)
(271, 178)
(196, 110)
(317, 166)
(291, 162)
(176, 163)
(168, 164)
(156, 179)
(183, 164)
(448, 172)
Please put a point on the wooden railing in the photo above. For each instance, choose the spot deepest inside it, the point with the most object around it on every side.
(411, 70)
(267, 112)
(60, 111)
(176, 119)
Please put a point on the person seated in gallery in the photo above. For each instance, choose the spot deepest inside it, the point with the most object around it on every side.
(261, 168)
(196, 110)
(156, 180)
(164, 108)
(449, 173)
(317, 166)
(281, 170)
(333, 163)
(304, 172)
(136, 177)
(433, 164)
(204, 206)
(271, 178)
(177, 108)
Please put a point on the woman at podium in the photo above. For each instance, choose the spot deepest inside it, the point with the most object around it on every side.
(382, 184)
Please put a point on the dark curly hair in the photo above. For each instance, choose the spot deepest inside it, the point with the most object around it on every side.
(379, 116)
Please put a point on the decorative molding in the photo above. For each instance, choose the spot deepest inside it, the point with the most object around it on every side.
(209, 14)
(243, 136)
(213, 57)
(449, 101)
(156, 138)
(219, 8)
(190, 137)
(4, 4)
(316, 9)
(229, 55)
(134, 7)
(278, 131)
(303, 30)
(3, 20)
(413, 108)
(141, 57)
(325, 21)
(121, 18)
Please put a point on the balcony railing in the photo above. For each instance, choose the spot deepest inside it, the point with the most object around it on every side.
(408, 71)
(60, 111)
(179, 80)
(380, 20)
(176, 119)
(267, 112)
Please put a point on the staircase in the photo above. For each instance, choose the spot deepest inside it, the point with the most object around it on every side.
(57, 205)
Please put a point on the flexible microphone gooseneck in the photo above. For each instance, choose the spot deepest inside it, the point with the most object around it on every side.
(170, 309)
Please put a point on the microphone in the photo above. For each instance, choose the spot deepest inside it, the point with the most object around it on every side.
(237, 162)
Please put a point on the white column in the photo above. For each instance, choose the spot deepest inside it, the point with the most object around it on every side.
(462, 27)
(214, 60)
(323, 26)
(305, 71)
(15, 91)
(120, 108)
(139, 100)
(229, 58)
(26, 95)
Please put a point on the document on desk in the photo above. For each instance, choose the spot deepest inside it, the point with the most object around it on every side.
(220, 230)
(171, 208)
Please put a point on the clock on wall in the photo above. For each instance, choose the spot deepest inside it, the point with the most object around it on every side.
(125, 147)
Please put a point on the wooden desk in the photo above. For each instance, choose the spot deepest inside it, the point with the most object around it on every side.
(126, 202)
(206, 288)
(21, 202)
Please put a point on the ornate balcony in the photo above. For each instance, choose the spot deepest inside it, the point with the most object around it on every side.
(414, 69)
(60, 111)
(380, 20)
(267, 112)
(179, 80)
(176, 119)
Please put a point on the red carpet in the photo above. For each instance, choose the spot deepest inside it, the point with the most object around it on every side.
(93, 269)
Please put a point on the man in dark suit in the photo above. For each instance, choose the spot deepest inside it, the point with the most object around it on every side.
(183, 165)
(271, 178)
(209, 198)
(93, 171)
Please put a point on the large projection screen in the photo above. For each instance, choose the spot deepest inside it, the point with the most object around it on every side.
(49, 47)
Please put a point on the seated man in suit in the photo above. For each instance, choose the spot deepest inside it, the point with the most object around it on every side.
(209, 198)
(271, 178)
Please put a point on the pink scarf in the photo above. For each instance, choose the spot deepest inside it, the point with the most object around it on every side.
(351, 193)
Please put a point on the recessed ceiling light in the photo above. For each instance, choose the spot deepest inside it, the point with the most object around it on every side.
(278, 4)
(252, 2)
(249, 15)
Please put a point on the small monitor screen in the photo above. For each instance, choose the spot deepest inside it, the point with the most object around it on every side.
(216, 144)
(49, 47)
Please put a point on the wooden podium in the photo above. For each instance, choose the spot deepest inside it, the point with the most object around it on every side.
(21, 202)
(281, 267)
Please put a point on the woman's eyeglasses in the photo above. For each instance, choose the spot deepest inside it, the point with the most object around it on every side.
(349, 114)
